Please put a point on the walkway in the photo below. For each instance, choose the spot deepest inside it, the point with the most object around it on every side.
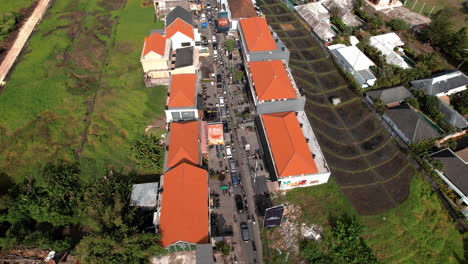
(22, 38)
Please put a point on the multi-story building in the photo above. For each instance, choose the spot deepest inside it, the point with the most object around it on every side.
(182, 144)
(156, 58)
(182, 99)
(180, 28)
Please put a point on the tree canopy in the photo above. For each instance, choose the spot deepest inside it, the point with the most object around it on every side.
(398, 24)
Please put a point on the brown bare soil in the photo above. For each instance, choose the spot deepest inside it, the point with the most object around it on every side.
(287, 27)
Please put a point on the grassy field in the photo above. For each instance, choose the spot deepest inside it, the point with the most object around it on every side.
(457, 14)
(80, 67)
(14, 5)
(417, 231)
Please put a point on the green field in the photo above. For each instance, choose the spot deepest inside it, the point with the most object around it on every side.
(458, 16)
(417, 231)
(80, 67)
(14, 5)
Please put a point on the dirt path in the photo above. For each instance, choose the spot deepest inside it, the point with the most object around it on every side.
(22, 38)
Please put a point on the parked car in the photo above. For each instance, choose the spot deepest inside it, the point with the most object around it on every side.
(223, 112)
(239, 204)
(225, 126)
(245, 231)
(253, 246)
(228, 152)
(234, 179)
(221, 101)
(232, 165)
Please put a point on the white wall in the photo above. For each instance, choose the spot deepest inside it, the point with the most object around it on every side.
(303, 181)
(453, 91)
(179, 38)
(170, 111)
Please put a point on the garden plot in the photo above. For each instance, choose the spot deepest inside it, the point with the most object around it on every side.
(332, 80)
(311, 85)
(391, 168)
(336, 147)
(354, 178)
(312, 54)
(318, 99)
(298, 33)
(267, 2)
(369, 199)
(399, 186)
(383, 154)
(323, 66)
(368, 126)
(286, 19)
(353, 113)
(274, 26)
(276, 9)
(294, 54)
(326, 114)
(302, 43)
(281, 34)
(353, 164)
(344, 94)
(374, 142)
(303, 74)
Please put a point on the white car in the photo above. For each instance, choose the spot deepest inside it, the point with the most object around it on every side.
(203, 17)
(228, 152)
(221, 101)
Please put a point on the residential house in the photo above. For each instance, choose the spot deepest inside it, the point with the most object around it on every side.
(185, 60)
(182, 99)
(180, 28)
(409, 125)
(292, 154)
(273, 87)
(237, 10)
(259, 42)
(355, 62)
(155, 58)
(183, 216)
(442, 85)
(391, 96)
(445, 83)
(163, 7)
(454, 173)
(386, 44)
(182, 144)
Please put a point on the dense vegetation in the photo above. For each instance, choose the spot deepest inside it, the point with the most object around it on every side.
(8, 24)
(460, 102)
(60, 210)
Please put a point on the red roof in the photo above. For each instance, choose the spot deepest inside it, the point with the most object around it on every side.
(183, 143)
(184, 206)
(271, 80)
(241, 9)
(257, 35)
(183, 90)
(181, 26)
(155, 42)
(288, 145)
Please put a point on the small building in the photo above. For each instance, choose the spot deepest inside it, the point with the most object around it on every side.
(409, 125)
(445, 83)
(163, 7)
(156, 58)
(144, 195)
(384, 4)
(237, 10)
(180, 28)
(182, 144)
(292, 154)
(182, 99)
(259, 42)
(454, 174)
(273, 87)
(355, 62)
(391, 96)
(386, 44)
(183, 215)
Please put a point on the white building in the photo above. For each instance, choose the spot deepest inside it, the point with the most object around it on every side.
(180, 28)
(386, 43)
(355, 62)
(182, 98)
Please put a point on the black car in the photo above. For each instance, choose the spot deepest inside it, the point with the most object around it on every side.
(225, 126)
(245, 231)
(253, 246)
(218, 77)
(239, 203)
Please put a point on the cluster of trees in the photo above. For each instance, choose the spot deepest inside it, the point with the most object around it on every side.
(62, 208)
(148, 152)
(343, 244)
(460, 102)
(8, 23)
(441, 35)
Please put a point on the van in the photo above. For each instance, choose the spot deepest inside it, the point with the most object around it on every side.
(234, 179)
(232, 165)
(245, 231)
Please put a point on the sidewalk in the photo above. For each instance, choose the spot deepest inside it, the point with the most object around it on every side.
(22, 38)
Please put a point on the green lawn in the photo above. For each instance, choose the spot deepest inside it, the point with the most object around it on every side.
(14, 5)
(457, 17)
(82, 48)
(417, 231)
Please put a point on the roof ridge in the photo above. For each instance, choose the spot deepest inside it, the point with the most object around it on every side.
(415, 129)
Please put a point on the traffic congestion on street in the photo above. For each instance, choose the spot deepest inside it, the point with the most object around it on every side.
(232, 165)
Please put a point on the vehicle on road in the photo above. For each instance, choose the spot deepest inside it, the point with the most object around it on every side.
(253, 246)
(232, 165)
(228, 151)
(221, 101)
(245, 231)
(225, 126)
(234, 179)
(239, 204)
(223, 111)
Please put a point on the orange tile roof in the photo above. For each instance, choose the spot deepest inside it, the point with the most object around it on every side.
(181, 26)
(183, 143)
(155, 42)
(183, 90)
(271, 80)
(257, 35)
(288, 145)
(184, 206)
